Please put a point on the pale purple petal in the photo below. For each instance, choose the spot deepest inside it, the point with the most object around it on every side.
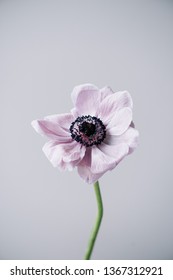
(108, 158)
(86, 174)
(119, 122)
(86, 99)
(86, 161)
(118, 152)
(129, 137)
(100, 162)
(74, 112)
(65, 155)
(84, 168)
(104, 92)
(55, 127)
(63, 120)
(80, 88)
(51, 130)
(113, 103)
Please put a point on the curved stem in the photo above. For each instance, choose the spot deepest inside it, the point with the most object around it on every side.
(97, 223)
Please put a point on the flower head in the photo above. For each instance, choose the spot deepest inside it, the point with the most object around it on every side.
(95, 136)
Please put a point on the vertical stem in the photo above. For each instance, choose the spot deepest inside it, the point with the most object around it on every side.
(97, 223)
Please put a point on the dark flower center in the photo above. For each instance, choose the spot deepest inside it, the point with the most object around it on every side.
(88, 130)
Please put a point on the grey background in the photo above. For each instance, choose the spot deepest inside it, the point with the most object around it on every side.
(46, 48)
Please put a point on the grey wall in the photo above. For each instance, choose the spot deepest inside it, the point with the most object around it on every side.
(48, 47)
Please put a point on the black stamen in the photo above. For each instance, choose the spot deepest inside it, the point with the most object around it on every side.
(88, 130)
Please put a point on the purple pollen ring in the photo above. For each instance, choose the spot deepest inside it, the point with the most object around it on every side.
(88, 130)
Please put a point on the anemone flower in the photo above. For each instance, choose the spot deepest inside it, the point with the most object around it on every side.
(94, 137)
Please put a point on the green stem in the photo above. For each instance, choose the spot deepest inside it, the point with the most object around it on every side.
(97, 223)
